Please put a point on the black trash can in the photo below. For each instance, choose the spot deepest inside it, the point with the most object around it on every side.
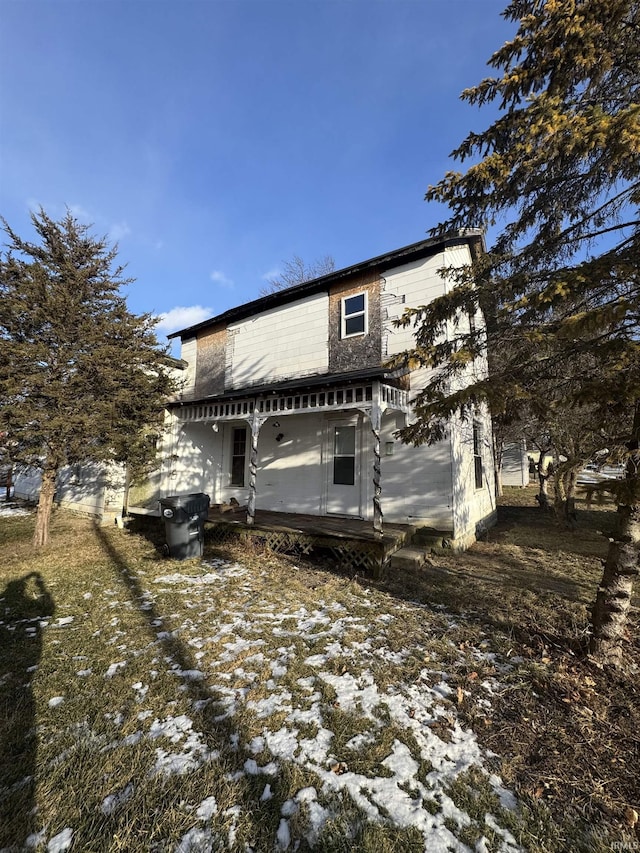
(184, 517)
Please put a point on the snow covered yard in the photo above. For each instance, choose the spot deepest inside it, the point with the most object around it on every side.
(241, 703)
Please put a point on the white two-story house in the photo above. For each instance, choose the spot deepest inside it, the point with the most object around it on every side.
(287, 404)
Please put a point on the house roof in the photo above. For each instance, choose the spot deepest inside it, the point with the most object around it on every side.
(404, 255)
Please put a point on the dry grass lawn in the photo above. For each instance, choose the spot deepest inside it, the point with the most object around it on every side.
(249, 702)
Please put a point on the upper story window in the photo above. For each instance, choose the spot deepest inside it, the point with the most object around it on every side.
(354, 315)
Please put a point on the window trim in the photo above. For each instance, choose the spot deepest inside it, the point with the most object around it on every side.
(338, 457)
(235, 456)
(363, 313)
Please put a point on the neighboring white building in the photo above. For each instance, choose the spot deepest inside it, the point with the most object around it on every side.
(287, 404)
(93, 489)
(515, 464)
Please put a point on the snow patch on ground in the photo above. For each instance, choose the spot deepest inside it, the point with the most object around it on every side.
(61, 842)
(8, 508)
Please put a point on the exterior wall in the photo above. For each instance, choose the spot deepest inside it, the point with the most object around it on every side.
(515, 464)
(416, 481)
(283, 343)
(408, 286)
(290, 471)
(473, 508)
(449, 497)
(189, 353)
(195, 461)
(362, 350)
(295, 474)
(211, 360)
(289, 477)
(92, 489)
(82, 489)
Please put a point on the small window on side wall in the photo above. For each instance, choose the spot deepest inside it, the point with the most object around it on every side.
(477, 454)
(354, 315)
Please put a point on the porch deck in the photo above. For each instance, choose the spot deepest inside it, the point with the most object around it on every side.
(350, 541)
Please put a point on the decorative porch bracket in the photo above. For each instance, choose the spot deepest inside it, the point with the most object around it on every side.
(255, 422)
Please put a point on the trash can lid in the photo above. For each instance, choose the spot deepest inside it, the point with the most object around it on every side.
(183, 500)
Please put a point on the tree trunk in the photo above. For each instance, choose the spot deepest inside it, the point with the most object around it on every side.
(570, 511)
(543, 475)
(611, 608)
(498, 448)
(565, 480)
(45, 504)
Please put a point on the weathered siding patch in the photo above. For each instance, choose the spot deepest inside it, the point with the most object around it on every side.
(360, 351)
(211, 362)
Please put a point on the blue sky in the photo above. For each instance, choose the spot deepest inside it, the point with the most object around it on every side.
(214, 139)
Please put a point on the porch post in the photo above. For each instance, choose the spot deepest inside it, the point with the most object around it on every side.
(376, 418)
(255, 424)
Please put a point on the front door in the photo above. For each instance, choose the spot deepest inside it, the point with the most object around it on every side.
(343, 471)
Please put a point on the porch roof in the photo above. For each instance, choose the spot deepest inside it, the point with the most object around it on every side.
(361, 390)
(283, 387)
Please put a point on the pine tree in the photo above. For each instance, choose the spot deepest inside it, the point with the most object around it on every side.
(81, 378)
(558, 173)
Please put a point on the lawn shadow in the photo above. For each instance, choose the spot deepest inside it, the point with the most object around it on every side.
(150, 528)
(197, 691)
(531, 579)
(219, 730)
(26, 605)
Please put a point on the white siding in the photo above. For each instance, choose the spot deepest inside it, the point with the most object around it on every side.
(285, 342)
(290, 472)
(473, 507)
(457, 256)
(195, 463)
(294, 473)
(94, 489)
(187, 378)
(515, 464)
(416, 481)
(27, 483)
(418, 283)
